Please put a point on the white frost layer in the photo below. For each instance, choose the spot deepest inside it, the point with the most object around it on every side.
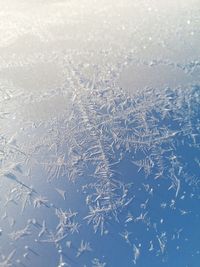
(140, 76)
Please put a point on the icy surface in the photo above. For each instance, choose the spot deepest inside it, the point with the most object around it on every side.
(99, 133)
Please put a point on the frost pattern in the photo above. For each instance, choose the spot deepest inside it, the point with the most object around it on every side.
(84, 163)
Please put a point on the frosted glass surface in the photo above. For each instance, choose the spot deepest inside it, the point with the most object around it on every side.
(99, 133)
